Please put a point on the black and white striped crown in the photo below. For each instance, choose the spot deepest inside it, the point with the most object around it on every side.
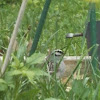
(57, 52)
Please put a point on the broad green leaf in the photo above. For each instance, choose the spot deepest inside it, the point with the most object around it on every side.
(39, 72)
(14, 73)
(3, 85)
(2, 81)
(9, 80)
(36, 58)
(31, 74)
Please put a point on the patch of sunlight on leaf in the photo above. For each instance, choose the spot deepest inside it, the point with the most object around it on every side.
(86, 80)
(36, 58)
(52, 99)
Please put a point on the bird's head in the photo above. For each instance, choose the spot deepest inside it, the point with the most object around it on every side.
(56, 55)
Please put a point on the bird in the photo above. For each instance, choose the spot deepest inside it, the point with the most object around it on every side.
(55, 63)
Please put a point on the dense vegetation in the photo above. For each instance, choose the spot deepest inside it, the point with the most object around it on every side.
(61, 19)
(22, 80)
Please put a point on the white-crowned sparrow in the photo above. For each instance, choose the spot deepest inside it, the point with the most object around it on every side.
(56, 63)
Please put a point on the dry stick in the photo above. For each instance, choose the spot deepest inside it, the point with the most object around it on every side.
(14, 34)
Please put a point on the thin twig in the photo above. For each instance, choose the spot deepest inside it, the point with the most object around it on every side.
(14, 34)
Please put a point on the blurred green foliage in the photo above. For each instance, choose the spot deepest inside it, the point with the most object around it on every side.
(24, 82)
(9, 1)
(64, 17)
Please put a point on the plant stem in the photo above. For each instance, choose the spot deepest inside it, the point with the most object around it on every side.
(14, 34)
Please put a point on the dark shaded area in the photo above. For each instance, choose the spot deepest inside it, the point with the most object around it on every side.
(88, 34)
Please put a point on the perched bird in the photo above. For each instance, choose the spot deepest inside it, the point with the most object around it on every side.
(56, 63)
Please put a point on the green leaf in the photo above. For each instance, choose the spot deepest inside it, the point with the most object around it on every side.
(2, 81)
(16, 62)
(99, 93)
(31, 74)
(95, 94)
(9, 80)
(14, 73)
(28, 94)
(36, 58)
(21, 51)
(78, 87)
(86, 80)
(39, 72)
(3, 85)
(85, 93)
(52, 99)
